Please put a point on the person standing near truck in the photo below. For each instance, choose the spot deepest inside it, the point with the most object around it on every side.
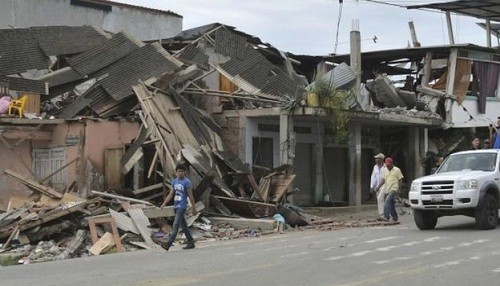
(392, 183)
(376, 179)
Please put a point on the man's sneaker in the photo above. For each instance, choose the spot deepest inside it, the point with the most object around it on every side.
(189, 245)
(382, 218)
(165, 246)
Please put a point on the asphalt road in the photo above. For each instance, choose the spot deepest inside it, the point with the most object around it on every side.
(456, 253)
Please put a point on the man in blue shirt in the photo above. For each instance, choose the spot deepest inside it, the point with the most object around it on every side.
(180, 191)
(496, 135)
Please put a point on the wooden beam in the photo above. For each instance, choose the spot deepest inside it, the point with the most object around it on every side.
(413, 35)
(450, 28)
(427, 69)
(46, 217)
(121, 198)
(34, 185)
(148, 188)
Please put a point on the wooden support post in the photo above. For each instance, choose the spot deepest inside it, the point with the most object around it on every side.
(450, 83)
(413, 35)
(488, 33)
(427, 69)
(450, 28)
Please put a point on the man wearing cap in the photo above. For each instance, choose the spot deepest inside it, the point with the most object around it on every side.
(392, 183)
(377, 175)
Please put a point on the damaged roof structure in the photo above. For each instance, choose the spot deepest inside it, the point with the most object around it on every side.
(110, 118)
(122, 91)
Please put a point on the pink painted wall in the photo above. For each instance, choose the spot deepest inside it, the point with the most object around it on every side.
(12, 160)
(99, 135)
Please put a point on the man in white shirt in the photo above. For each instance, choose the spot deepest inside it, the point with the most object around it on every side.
(375, 183)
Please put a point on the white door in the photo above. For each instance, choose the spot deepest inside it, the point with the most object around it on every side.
(48, 160)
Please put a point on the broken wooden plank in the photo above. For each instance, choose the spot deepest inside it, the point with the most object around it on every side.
(141, 222)
(114, 230)
(134, 152)
(73, 245)
(249, 209)
(46, 217)
(14, 233)
(34, 185)
(280, 184)
(121, 198)
(104, 243)
(48, 231)
(156, 212)
(431, 91)
(148, 188)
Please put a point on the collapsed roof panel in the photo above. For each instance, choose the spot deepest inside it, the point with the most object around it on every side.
(255, 69)
(76, 106)
(142, 64)
(20, 52)
(25, 85)
(105, 54)
(64, 40)
(195, 33)
(61, 76)
(194, 55)
(230, 44)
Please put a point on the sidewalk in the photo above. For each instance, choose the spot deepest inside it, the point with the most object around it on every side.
(363, 212)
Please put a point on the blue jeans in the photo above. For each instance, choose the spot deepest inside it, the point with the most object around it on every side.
(179, 219)
(390, 207)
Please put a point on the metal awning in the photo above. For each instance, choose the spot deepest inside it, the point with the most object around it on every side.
(486, 9)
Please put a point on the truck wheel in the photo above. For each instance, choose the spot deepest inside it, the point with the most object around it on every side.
(487, 213)
(425, 219)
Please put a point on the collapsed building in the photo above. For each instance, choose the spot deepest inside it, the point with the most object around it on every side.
(110, 116)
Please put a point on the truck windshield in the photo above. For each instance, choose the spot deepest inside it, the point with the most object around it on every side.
(474, 162)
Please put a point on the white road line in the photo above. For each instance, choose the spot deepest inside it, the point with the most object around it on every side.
(295, 254)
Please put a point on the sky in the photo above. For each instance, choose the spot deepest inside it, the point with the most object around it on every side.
(309, 27)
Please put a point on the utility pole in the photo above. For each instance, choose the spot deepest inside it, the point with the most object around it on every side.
(355, 127)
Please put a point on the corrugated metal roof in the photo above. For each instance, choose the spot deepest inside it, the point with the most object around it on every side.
(26, 85)
(142, 64)
(484, 9)
(64, 40)
(341, 76)
(19, 52)
(104, 54)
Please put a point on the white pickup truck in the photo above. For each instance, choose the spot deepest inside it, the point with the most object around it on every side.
(467, 183)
